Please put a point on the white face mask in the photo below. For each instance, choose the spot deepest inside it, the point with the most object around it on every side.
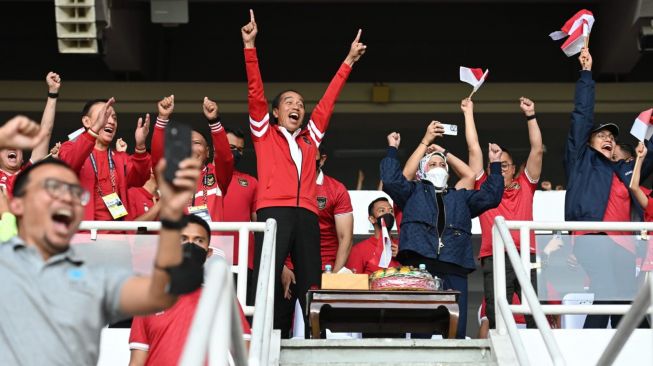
(438, 176)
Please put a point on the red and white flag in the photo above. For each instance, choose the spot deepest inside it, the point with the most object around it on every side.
(473, 77)
(643, 126)
(386, 254)
(578, 29)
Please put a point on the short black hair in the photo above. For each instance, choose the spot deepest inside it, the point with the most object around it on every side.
(236, 132)
(629, 148)
(194, 219)
(277, 100)
(23, 177)
(90, 104)
(370, 208)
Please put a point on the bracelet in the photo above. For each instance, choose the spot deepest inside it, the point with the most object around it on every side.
(532, 116)
(445, 152)
(140, 151)
(174, 225)
(215, 120)
(53, 95)
(93, 133)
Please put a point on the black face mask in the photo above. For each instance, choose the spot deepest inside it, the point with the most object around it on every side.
(317, 166)
(389, 221)
(194, 252)
(237, 156)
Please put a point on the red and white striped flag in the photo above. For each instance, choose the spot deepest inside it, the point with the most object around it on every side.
(578, 29)
(473, 77)
(643, 126)
(386, 254)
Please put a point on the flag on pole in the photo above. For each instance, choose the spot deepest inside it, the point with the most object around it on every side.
(386, 255)
(578, 29)
(643, 126)
(74, 135)
(473, 77)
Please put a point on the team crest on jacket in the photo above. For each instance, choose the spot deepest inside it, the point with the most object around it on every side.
(321, 202)
(306, 140)
(243, 182)
(209, 179)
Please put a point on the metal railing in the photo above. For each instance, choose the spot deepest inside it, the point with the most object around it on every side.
(216, 308)
(243, 229)
(503, 244)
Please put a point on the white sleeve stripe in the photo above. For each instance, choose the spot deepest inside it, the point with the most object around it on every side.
(259, 133)
(259, 124)
(480, 175)
(139, 346)
(161, 125)
(313, 126)
(344, 213)
(216, 127)
(317, 143)
(533, 181)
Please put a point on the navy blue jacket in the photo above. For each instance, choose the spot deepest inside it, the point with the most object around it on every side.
(589, 173)
(419, 225)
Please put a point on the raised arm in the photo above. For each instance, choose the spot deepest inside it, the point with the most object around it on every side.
(582, 118)
(259, 118)
(394, 183)
(165, 107)
(223, 159)
(145, 295)
(491, 191)
(534, 162)
(140, 163)
(20, 132)
(466, 176)
(433, 130)
(475, 160)
(640, 196)
(47, 121)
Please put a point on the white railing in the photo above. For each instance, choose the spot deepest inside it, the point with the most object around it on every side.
(243, 229)
(503, 244)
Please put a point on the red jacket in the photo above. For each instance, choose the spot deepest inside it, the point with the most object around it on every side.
(131, 170)
(216, 177)
(279, 183)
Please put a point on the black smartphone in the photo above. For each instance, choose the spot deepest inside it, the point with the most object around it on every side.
(177, 147)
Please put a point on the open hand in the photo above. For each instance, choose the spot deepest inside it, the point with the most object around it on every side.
(287, 278)
(249, 31)
(104, 115)
(142, 130)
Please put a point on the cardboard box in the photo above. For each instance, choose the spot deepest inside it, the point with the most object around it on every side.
(345, 281)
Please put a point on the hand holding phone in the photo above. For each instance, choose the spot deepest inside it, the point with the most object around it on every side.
(177, 147)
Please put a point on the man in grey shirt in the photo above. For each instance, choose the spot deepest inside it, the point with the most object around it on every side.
(53, 306)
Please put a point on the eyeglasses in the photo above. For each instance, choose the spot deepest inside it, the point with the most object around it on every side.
(57, 189)
(605, 136)
(506, 165)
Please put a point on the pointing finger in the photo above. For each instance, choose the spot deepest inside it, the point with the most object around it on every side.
(251, 16)
(358, 36)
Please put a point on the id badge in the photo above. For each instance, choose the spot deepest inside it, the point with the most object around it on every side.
(115, 206)
(201, 211)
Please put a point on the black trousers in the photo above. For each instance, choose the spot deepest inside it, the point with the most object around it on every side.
(298, 234)
(512, 286)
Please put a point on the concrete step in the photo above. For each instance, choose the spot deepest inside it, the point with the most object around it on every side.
(364, 352)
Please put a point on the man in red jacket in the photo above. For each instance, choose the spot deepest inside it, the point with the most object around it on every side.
(216, 174)
(104, 172)
(286, 167)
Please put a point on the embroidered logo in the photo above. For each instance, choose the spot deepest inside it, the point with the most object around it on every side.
(243, 182)
(209, 180)
(306, 140)
(321, 202)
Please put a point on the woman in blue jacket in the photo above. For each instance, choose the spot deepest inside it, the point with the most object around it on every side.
(437, 220)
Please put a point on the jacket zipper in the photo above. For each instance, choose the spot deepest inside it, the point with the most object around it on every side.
(444, 212)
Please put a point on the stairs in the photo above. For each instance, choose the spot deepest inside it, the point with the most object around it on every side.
(377, 352)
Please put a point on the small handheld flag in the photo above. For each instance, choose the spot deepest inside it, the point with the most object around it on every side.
(578, 29)
(473, 77)
(643, 126)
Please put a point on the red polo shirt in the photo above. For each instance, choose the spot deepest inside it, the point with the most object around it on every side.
(365, 256)
(239, 204)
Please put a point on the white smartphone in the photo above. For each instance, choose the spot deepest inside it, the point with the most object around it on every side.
(450, 129)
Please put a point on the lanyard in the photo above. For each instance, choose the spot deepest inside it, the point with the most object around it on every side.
(204, 192)
(112, 175)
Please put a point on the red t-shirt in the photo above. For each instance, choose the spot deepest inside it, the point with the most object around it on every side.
(163, 335)
(332, 200)
(617, 209)
(7, 179)
(104, 179)
(647, 263)
(516, 204)
(140, 202)
(239, 204)
(364, 256)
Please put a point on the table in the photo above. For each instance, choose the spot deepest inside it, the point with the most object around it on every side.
(382, 312)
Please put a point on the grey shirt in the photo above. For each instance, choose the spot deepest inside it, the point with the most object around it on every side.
(52, 312)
